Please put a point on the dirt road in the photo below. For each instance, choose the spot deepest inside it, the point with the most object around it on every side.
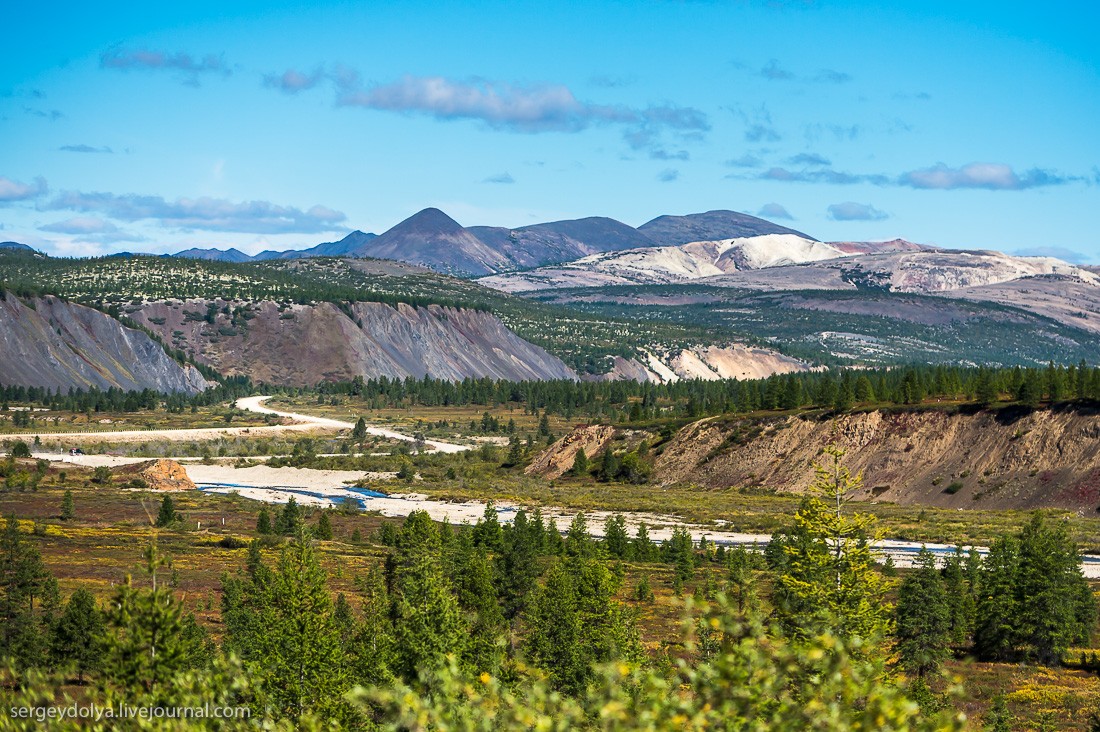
(256, 404)
(301, 423)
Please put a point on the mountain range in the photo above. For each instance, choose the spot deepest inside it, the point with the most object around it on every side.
(711, 295)
(433, 239)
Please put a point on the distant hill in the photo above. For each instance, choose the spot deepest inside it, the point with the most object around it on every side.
(214, 255)
(14, 246)
(433, 239)
(343, 248)
(670, 231)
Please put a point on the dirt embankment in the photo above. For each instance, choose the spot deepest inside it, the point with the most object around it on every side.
(1013, 458)
(555, 460)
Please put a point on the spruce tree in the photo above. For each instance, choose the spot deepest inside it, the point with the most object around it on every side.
(289, 522)
(263, 523)
(578, 542)
(487, 531)
(960, 598)
(27, 591)
(615, 537)
(996, 633)
(77, 635)
(167, 514)
(642, 546)
(739, 564)
(517, 563)
(475, 586)
(574, 622)
(682, 554)
(864, 390)
(372, 649)
(515, 453)
(923, 626)
(324, 527)
(609, 465)
(1055, 607)
(427, 620)
(554, 639)
(359, 433)
(68, 509)
(298, 655)
(643, 592)
(580, 463)
(146, 646)
(829, 581)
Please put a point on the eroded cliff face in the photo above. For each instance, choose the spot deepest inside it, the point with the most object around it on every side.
(709, 363)
(302, 345)
(1006, 459)
(50, 343)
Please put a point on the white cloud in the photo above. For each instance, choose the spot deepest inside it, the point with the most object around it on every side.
(209, 214)
(13, 190)
(988, 176)
(852, 211)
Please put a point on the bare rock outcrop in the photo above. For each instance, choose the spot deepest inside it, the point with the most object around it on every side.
(556, 460)
(709, 363)
(164, 475)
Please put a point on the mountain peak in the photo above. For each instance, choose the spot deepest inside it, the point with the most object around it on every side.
(427, 221)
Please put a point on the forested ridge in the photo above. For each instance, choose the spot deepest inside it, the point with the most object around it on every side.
(117, 285)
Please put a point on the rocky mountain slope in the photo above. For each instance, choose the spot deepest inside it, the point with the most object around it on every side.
(15, 246)
(560, 241)
(47, 342)
(685, 263)
(1012, 458)
(928, 271)
(304, 344)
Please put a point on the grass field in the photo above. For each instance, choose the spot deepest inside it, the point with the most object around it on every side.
(46, 421)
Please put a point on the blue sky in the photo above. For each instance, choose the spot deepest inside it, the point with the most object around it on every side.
(277, 125)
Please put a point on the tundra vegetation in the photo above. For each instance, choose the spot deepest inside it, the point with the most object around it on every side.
(316, 618)
(341, 617)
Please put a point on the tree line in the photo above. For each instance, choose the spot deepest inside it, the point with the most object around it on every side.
(835, 390)
(630, 401)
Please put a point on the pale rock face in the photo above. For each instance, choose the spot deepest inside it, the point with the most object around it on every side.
(709, 363)
(944, 271)
(51, 343)
(671, 265)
